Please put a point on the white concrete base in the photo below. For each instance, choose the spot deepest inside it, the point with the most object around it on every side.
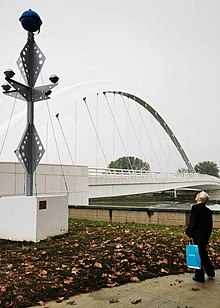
(34, 218)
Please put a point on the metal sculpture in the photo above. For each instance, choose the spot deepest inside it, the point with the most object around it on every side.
(30, 149)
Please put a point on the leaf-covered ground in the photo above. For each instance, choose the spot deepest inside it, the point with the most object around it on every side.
(91, 256)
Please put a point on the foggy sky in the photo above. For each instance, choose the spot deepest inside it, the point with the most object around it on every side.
(165, 52)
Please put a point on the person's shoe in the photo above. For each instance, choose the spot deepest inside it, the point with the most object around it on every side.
(211, 277)
(199, 280)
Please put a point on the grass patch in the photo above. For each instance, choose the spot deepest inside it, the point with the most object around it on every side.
(91, 256)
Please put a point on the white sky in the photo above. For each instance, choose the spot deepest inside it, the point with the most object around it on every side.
(163, 51)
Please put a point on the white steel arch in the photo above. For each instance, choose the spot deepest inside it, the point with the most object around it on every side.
(164, 125)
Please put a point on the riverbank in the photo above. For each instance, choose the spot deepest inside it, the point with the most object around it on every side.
(152, 215)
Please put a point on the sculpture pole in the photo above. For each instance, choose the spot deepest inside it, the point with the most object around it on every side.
(30, 149)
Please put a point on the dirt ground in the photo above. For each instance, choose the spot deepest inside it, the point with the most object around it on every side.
(90, 257)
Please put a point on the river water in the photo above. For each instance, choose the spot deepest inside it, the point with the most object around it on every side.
(156, 204)
(180, 205)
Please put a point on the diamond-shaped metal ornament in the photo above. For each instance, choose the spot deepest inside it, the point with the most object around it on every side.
(37, 61)
(23, 152)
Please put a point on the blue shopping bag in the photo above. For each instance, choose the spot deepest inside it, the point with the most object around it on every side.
(192, 256)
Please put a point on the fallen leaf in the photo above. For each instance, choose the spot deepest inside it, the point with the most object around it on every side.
(179, 280)
(113, 301)
(2, 289)
(111, 284)
(136, 301)
(60, 299)
(69, 280)
(119, 246)
(42, 273)
(74, 271)
(195, 289)
(29, 266)
(124, 260)
(135, 279)
(97, 264)
(71, 303)
(164, 271)
(20, 298)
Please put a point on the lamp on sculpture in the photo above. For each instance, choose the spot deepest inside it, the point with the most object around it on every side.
(6, 87)
(30, 149)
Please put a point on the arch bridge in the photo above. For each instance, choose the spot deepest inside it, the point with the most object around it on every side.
(101, 182)
(119, 182)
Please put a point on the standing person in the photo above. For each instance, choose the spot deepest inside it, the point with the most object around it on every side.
(200, 229)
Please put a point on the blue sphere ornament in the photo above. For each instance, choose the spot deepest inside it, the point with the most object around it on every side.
(30, 21)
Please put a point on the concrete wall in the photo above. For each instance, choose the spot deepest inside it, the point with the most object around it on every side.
(48, 179)
(135, 215)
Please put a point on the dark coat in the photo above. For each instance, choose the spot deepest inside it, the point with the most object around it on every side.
(200, 224)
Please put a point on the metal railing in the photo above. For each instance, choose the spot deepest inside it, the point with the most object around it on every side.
(112, 173)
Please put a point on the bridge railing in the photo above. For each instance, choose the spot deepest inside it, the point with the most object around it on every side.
(108, 172)
(115, 172)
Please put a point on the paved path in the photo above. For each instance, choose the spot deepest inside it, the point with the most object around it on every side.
(176, 291)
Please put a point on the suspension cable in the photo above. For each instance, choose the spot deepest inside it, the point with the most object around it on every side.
(113, 127)
(160, 143)
(8, 126)
(170, 151)
(9, 122)
(93, 124)
(127, 110)
(118, 131)
(6, 134)
(58, 119)
(54, 135)
(57, 148)
(46, 141)
(76, 111)
(146, 131)
(97, 125)
(35, 180)
(132, 124)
